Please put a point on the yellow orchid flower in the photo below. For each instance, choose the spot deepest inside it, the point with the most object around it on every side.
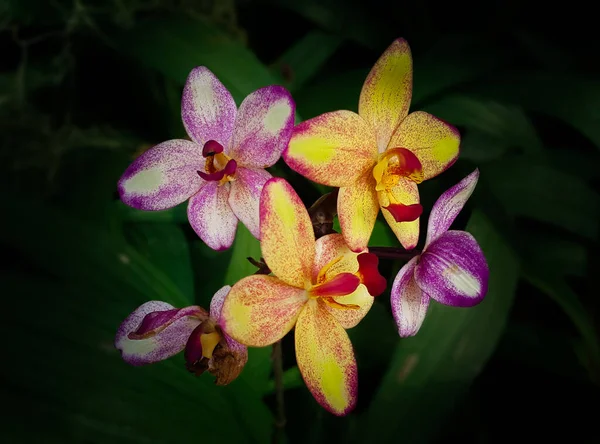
(378, 156)
(319, 286)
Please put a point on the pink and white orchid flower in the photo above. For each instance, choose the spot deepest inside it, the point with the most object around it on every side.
(156, 331)
(222, 169)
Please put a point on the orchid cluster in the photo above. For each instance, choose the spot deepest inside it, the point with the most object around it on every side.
(319, 284)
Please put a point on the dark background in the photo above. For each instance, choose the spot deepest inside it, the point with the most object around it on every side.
(85, 86)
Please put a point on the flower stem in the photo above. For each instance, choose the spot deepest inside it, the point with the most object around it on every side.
(280, 420)
(394, 253)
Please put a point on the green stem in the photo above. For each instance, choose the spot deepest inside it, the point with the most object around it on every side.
(280, 420)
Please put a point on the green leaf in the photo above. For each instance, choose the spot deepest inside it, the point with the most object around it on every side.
(292, 378)
(351, 19)
(88, 389)
(461, 57)
(530, 189)
(572, 98)
(303, 60)
(166, 247)
(430, 371)
(492, 128)
(561, 257)
(245, 246)
(175, 46)
(382, 235)
(340, 91)
(176, 214)
(548, 281)
(76, 249)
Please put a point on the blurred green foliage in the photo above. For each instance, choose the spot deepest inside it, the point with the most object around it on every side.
(86, 85)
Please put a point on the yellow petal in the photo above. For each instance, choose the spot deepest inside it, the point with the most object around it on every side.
(357, 211)
(386, 93)
(333, 149)
(326, 359)
(260, 310)
(351, 318)
(434, 142)
(406, 193)
(287, 236)
(332, 257)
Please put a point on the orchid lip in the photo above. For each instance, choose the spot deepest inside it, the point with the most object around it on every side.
(229, 170)
(405, 213)
(340, 285)
(211, 148)
(394, 164)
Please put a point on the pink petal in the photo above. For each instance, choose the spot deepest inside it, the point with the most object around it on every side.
(156, 331)
(211, 216)
(244, 197)
(409, 302)
(216, 303)
(263, 127)
(453, 270)
(448, 205)
(207, 108)
(163, 176)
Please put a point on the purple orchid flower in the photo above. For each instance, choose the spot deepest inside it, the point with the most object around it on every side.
(156, 331)
(222, 169)
(451, 269)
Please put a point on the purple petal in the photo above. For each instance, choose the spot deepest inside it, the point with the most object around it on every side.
(163, 176)
(244, 197)
(211, 216)
(409, 302)
(216, 304)
(453, 270)
(207, 108)
(156, 331)
(263, 127)
(448, 205)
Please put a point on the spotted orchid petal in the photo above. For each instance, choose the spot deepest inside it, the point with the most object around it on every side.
(448, 205)
(434, 142)
(286, 233)
(357, 208)
(334, 148)
(386, 93)
(244, 197)
(216, 307)
(326, 359)
(263, 127)
(453, 270)
(216, 303)
(400, 206)
(163, 176)
(409, 302)
(156, 331)
(211, 216)
(207, 109)
(261, 310)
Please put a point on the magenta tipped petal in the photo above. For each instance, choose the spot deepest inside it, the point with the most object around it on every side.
(156, 331)
(453, 270)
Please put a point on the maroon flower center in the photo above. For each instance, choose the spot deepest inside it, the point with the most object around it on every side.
(218, 166)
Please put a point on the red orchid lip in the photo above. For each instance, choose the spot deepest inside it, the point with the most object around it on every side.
(211, 148)
(405, 213)
(341, 285)
(227, 171)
